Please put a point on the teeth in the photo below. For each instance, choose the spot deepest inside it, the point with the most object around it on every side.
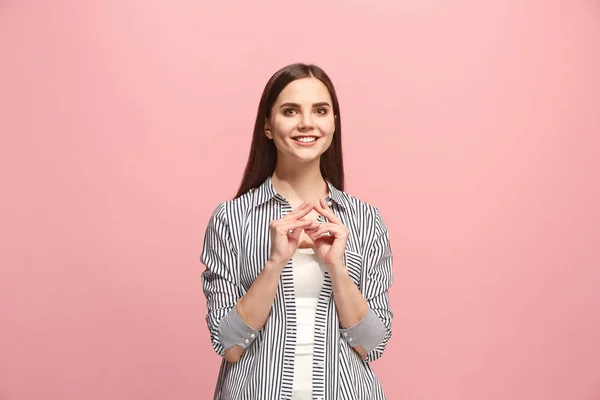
(306, 139)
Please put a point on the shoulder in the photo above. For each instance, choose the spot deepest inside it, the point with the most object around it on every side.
(359, 208)
(369, 226)
(366, 219)
(233, 209)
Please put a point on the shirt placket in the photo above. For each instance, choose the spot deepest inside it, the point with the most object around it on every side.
(290, 319)
(320, 332)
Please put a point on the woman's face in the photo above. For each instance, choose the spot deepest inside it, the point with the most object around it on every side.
(302, 122)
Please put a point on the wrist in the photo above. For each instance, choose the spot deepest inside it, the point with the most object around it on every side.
(274, 264)
(338, 271)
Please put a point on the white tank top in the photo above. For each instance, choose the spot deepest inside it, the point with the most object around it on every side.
(308, 280)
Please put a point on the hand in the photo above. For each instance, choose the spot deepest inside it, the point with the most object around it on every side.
(330, 247)
(284, 243)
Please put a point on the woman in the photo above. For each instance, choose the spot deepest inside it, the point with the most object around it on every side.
(297, 271)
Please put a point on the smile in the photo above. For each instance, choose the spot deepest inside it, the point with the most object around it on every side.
(305, 139)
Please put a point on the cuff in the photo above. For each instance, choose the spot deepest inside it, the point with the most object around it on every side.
(368, 332)
(233, 330)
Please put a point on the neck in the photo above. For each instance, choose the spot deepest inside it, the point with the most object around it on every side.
(303, 182)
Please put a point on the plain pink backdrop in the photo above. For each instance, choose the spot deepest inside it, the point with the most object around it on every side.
(473, 125)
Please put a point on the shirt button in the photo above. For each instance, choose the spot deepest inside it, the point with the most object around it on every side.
(351, 340)
(252, 335)
(345, 333)
(329, 203)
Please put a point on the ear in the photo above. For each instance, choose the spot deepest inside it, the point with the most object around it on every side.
(268, 130)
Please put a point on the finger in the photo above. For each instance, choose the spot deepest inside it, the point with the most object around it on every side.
(299, 212)
(334, 230)
(312, 228)
(282, 224)
(295, 235)
(330, 239)
(297, 209)
(290, 226)
(328, 226)
(297, 231)
(322, 208)
(296, 224)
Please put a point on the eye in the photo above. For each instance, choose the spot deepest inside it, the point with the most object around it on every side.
(289, 111)
(321, 111)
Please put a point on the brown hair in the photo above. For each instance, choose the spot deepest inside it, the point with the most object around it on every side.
(263, 153)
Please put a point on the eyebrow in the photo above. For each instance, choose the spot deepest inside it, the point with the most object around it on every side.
(296, 105)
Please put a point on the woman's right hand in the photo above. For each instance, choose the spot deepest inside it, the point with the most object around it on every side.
(284, 243)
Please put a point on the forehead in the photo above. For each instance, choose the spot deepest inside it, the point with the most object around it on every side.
(305, 90)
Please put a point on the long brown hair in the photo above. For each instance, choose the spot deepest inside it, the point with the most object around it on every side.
(263, 153)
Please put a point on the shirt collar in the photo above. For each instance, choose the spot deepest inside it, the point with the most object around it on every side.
(266, 192)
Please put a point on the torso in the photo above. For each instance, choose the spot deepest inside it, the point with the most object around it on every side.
(265, 371)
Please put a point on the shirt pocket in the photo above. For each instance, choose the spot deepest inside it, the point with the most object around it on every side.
(354, 263)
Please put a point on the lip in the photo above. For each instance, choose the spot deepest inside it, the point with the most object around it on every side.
(307, 144)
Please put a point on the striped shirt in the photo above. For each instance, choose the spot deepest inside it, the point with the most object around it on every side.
(237, 246)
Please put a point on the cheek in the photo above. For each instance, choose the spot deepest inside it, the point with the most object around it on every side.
(283, 128)
(327, 127)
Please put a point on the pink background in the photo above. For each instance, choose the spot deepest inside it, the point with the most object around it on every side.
(473, 125)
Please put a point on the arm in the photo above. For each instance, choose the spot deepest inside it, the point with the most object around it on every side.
(366, 317)
(255, 306)
(235, 326)
(350, 303)
(234, 317)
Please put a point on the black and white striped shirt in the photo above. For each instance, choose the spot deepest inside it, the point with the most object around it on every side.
(237, 246)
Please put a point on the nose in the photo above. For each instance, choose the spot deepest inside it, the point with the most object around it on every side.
(306, 122)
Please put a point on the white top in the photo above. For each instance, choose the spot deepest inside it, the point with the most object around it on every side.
(308, 280)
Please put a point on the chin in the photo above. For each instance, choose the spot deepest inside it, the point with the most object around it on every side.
(306, 158)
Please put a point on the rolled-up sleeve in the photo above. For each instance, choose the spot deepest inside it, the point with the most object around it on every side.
(374, 331)
(226, 327)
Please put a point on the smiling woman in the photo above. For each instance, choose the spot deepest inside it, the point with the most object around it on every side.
(297, 271)
(299, 121)
(298, 101)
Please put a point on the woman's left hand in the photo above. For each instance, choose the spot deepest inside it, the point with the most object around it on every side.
(330, 247)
